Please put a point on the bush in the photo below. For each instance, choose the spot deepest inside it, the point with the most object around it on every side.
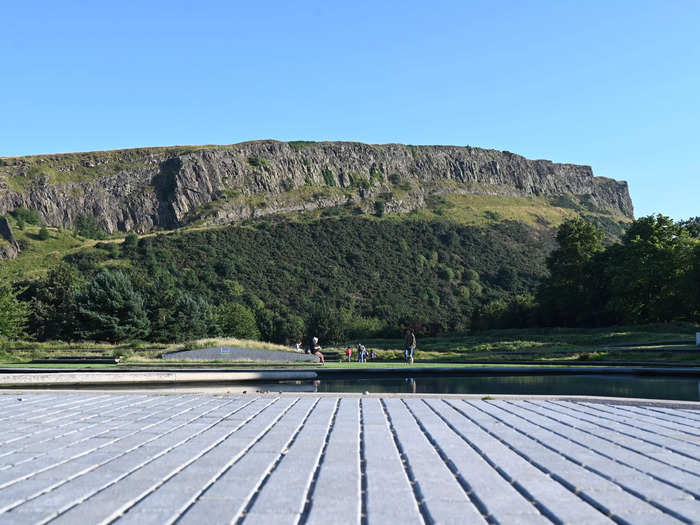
(131, 241)
(376, 174)
(379, 208)
(43, 234)
(298, 145)
(86, 226)
(24, 215)
(258, 162)
(328, 177)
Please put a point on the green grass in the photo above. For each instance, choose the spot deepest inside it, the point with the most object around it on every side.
(482, 210)
(575, 345)
(137, 352)
(541, 344)
(36, 255)
(298, 145)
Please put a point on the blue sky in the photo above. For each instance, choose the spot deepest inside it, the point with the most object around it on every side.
(612, 84)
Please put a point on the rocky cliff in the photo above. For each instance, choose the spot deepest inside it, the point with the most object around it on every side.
(9, 247)
(144, 189)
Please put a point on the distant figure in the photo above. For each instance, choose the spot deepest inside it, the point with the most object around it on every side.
(316, 350)
(348, 352)
(373, 355)
(409, 345)
(297, 346)
(361, 353)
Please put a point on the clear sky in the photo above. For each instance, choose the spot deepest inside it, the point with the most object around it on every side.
(613, 84)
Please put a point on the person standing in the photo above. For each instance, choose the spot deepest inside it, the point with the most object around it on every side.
(316, 350)
(409, 345)
(348, 352)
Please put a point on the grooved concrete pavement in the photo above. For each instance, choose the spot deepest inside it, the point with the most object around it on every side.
(142, 458)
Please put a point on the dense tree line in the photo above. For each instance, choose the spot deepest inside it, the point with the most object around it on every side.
(652, 275)
(278, 280)
(352, 277)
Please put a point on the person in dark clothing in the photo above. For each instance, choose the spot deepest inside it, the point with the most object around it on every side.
(409, 345)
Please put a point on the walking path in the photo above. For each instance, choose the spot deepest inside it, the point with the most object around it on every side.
(140, 458)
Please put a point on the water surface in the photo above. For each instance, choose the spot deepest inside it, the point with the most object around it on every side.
(676, 388)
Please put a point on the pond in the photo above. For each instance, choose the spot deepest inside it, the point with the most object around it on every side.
(665, 387)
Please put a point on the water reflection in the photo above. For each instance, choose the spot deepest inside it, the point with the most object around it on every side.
(678, 388)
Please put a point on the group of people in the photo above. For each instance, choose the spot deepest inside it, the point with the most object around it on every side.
(409, 345)
(313, 348)
(362, 354)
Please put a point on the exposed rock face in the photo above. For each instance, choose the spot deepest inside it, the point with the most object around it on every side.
(143, 189)
(9, 249)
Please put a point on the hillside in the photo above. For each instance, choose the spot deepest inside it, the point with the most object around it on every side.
(346, 239)
(166, 188)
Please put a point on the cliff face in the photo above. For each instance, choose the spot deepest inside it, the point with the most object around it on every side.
(142, 189)
(9, 248)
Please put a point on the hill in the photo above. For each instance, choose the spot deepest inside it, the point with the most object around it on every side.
(344, 239)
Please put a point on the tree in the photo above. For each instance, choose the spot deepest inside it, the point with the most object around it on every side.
(111, 310)
(329, 323)
(86, 226)
(161, 295)
(191, 319)
(237, 320)
(692, 226)
(56, 304)
(565, 297)
(25, 215)
(648, 273)
(14, 313)
(131, 241)
(693, 286)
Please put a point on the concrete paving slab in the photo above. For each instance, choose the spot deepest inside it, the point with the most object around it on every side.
(344, 459)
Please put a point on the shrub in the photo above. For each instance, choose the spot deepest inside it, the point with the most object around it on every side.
(86, 226)
(379, 208)
(24, 215)
(376, 174)
(298, 145)
(258, 162)
(43, 234)
(359, 181)
(328, 177)
(131, 241)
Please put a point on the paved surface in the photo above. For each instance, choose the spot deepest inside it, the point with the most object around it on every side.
(96, 458)
(151, 377)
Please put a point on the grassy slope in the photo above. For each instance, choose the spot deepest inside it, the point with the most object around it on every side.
(474, 210)
(575, 345)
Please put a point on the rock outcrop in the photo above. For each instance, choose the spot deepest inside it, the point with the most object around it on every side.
(9, 248)
(164, 188)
